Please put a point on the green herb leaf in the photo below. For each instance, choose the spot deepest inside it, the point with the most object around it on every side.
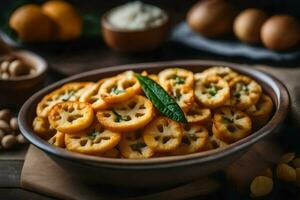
(227, 119)
(93, 135)
(67, 96)
(120, 117)
(212, 90)
(117, 91)
(179, 80)
(245, 88)
(161, 99)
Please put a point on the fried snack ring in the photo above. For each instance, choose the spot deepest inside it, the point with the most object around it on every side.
(58, 139)
(133, 146)
(245, 92)
(71, 117)
(42, 127)
(214, 143)
(68, 92)
(196, 114)
(184, 96)
(194, 139)
(225, 73)
(130, 115)
(230, 124)
(261, 111)
(95, 140)
(212, 91)
(119, 88)
(92, 96)
(163, 134)
(176, 77)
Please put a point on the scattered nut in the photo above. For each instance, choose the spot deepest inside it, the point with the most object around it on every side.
(8, 141)
(4, 66)
(296, 163)
(288, 157)
(4, 75)
(9, 130)
(261, 186)
(286, 172)
(17, 68)
(5, 115)
(4, 126)
(21, 139)
(14, 124)
(11, 66)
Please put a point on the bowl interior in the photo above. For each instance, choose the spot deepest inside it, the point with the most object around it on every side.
(105, 24)
(270, 85)
(33, 60)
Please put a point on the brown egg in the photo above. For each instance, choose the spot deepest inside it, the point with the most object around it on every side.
(211, 18)
(248, 23)
(280, 32)
(31, 24)
(66, 18)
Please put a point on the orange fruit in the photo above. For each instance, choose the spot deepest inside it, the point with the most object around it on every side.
(66, 18)
(31, 24)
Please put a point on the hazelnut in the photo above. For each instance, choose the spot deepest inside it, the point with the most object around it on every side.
(8, 141)
(21, 139)
(5, 76)
(32, 71)
(286, 172)
(5, 115)
(288, 157)
(4, 126)
(261, 186)
(14, 124)
(17, 68)
(4, 66)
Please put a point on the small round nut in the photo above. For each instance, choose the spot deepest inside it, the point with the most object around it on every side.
(4, 66)
(286, 173)
(4, 126)
(8, 141)
(296, 163)
(5, 76)
(32, 71)
(14, 124)
(261, 186)
(288, 157)
(5, 115)
(21, 139)
(17, 68)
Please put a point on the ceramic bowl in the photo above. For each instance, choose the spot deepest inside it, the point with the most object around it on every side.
(161, 171)
(15, 90)
(133, 40)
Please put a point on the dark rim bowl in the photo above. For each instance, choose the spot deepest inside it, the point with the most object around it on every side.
(271, 85)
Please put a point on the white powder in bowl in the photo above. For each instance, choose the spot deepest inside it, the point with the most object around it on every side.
(136, 16)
